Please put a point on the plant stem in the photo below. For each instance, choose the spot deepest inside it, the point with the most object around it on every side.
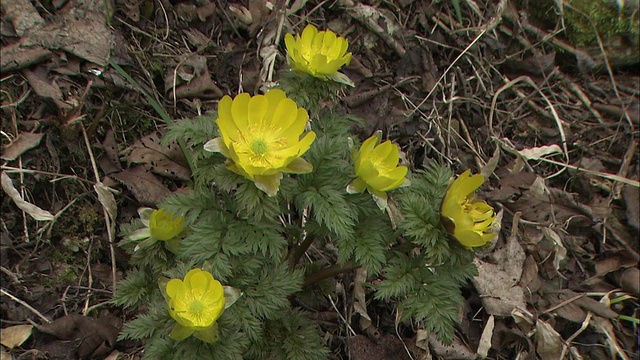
(296, 255)
(331, 271)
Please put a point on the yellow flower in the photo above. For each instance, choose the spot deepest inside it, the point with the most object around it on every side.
(262, 137)
(468, 219)
(165, 226)
(195, 304)
(377, 169)
(319, 53)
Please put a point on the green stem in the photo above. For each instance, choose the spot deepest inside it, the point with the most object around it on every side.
(157, 107)
(331, 271)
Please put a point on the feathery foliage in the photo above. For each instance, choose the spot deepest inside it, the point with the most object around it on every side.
(254, 244)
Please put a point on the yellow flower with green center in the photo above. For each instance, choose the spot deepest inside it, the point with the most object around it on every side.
(195, 304)
(377, 169)
(318, 53)
(262, 137)
(468, 219)
(164, 225)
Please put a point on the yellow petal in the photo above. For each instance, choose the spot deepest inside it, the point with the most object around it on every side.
(285, 114)
(225, 121)
(274, 97)
(367, 171)
(392, 158)
(239, 111)
(290, 43)
(347, 59)
(470, 238)
(366, 148)
(293, 132)
(382, 151)
(328, 42)
(215, 290)
(464, 185)
(165, 226)
(389, 181)
(200, 280)
(318, 64)
(305, 142)
(174, 287)
(257, 110)
(307, 38)
(190, 274)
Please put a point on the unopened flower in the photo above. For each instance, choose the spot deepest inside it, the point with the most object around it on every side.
(262, 137)
(159, 225)
(195, 304)
(165, 226)
(377, 169)
(318, 53)
(468, 219)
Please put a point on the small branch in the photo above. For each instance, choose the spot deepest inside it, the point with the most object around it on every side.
(23, 303)
(331, 271)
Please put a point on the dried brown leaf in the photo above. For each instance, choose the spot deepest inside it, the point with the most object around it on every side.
(613, 263)
(498, 289)
(15, 335)
(548, 341)
(97, 337)
(166, 161)
(630, 281)
(110, 147)
(530, 279)
(485, 339)
(5, 355)
(631, 196)
(143, 184)
(605, 327)
(115, 355)
(35, 212)
(43, 87)
(106, 198)
(457, 350)
(22, 143)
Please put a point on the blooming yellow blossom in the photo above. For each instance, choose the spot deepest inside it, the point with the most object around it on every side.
(164, 225)
(468, 219)
(262, 137)
(195, 304)
(318, 53)
(377, 169)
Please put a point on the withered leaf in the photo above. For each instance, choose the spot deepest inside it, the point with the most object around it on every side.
(15, 335)
(630, 281)
(110, 147)
(43, 87)
(96, 337)
(22, 143)
(166, 161)
(498, 289)
(148, 189)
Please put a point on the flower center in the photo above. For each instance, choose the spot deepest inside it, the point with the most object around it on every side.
(196, 307)
(259, 147)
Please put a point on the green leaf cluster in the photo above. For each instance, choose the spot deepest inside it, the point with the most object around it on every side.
(426, 280)
(256, 244)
